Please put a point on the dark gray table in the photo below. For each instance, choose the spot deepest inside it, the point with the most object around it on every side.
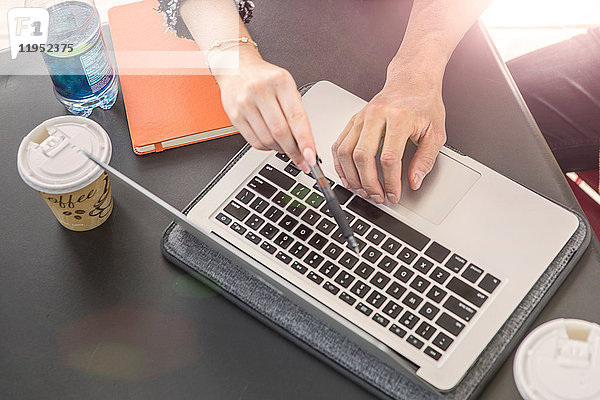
(101, 314)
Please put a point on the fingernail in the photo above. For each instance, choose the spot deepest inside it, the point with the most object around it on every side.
(377, 199)
(345, 183)
(363, 194)
(392, 197)
(418, 179)
(304, 167)
(309, 156)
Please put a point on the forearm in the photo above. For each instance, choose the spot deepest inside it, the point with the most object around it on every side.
(435, 28)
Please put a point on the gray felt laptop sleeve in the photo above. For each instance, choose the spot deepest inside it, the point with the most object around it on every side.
(280, 313)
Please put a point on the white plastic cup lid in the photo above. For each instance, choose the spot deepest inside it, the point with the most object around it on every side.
(559, 360)
(48, 159)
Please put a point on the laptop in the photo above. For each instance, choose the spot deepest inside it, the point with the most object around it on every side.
(437, 275)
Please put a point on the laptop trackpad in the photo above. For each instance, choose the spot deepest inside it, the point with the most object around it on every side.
(442, 189)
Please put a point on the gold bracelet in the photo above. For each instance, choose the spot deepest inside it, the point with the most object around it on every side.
(221, 45)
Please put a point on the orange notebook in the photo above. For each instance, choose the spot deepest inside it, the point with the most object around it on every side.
(170, 97)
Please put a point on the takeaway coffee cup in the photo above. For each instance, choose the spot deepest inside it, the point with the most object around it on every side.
(75, 188)
(559, 360)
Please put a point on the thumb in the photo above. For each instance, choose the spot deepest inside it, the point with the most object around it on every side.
(425, 156)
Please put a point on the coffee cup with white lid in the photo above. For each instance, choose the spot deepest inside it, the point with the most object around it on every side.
(75, 188)
(559, 360)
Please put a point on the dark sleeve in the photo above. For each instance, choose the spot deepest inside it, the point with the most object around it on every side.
(174, 22)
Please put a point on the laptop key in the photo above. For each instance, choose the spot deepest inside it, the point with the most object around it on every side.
(375, 236)
(223, 218)
(387, 264)
(344, 279)
(407, 256)
(273, 214)
(333, 251)
(325, 226)
(259, 205)
(415, 341)
(380, 280)
(291, 169)
(391, 246)
(450, 324)
(347, 298)
(376, 299)
(419, 284)
(269, 231)
(329, 269)
(288, 223)
(277, 177)
(361, 244)
(296, 208)
(439, 275)
(244, 196)
(253, 238)
(459, 308)
(455, 263)
(472, 273)
(392, 309)
(268, 247)
(423, 265)
(283, 257)
(331, 288)
(360, 289)
(371, 254)
(403, 274)
(489, 283)
(431, 352)
(282, 199)
(262, 187)
(425, 330)
(466, 292)
(236, 210)
(325, 210)
(409, 319)
(412, 300)
(283, 240)
(380, 319)
(283, 157)
(315, 200)
(437, 252)
(313, 259)
(342, 194)
(298, 250)
(348, 260)
(238, 228)
(396, 290)
(429, 311)
(397, 330)
(360, 227)
(310, 217)
(299, 267)
(436, 294)
(363, 308)
(443, 341)
(317, 241)
(364, 270)
(254, 222)
(316, 185)
(315, 278)
(300, 191)
(303, 232)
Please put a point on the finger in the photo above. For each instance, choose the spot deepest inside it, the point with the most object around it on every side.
(365, 154)
(345, 151)
(425, 156)
(279, 128)
(334, 152)
(247, 133)
(291, 105)
(396, 134)
(258, 125)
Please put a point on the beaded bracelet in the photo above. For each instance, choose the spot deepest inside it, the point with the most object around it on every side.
(221, 45)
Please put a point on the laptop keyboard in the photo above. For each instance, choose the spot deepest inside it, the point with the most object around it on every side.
(403, 281)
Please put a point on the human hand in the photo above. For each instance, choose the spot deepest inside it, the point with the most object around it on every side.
(406, 108)
(262, 101)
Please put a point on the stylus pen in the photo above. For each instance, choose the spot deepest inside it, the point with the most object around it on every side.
(334, 206)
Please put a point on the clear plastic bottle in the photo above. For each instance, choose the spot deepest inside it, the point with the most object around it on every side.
(77, 58)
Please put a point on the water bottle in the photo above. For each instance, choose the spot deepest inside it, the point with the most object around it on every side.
(76, 56)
